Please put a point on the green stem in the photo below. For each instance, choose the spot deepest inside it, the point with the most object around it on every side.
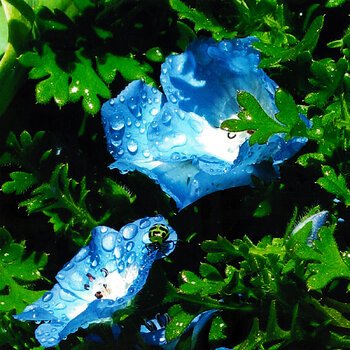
(20, 19)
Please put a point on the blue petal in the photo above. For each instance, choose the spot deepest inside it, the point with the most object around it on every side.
(115, 264)
(126, 119)
(318, 220)
(206, 77)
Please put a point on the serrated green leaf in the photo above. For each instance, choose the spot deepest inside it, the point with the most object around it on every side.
(180, 319)
(129, 68)
(21, 182)
(335, 184)
(80, 81)
(329, 76)
(60, 193)
(217, 329)
(201, 20)
(326, 262)
(254, 118)
(18, 271)
(277, 52)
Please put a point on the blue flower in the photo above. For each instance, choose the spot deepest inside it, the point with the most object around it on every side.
(101, 278)
(317, 220)
(176, 140)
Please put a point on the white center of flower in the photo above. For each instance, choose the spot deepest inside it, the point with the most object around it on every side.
(222, 144)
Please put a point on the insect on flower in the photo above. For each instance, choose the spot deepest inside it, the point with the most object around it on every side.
(101, 278)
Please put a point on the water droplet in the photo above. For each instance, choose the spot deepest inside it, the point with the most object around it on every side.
(117, 123)
(121, 99)
(166, 117)
(60, 306)
(82, 254)
(142, 130)
(111, 102)
(146, 153)
(134, 107)
(119, 251)
(108, 242)
(137, 124)
(47, 296)
(121, 265)
(129, 246)
(66, 296)
(154, 124)
(196, 126)
(121, 152)
(164, 70)
(149, 101)
(60, 276)
(154, 111)
(144, 223)
(131, 258)
(129, 231)
(132, 146)
(144, 96)
(128, 122)
(68, 266)
(154, 90)
(103, 229)
(172, 98)
(175, 156)
(116, 143)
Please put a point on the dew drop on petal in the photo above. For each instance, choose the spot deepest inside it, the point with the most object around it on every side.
(164, 70)
(82, 254)
(47, 296)
(144, 223)
(166, 117)
(119, 251)
(129, 231)
(103, 229)
(121, 99)
(154, 111)
(131, 258)
(108, 242)
(132, 146)
(172, 98)
(129, 246)
(175, 156)
(154, 90)
(121, 265)
(111, 102)
(146, 153)
(116, 143)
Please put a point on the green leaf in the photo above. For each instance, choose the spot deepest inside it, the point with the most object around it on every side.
(129, 68)
(335, 184)
(335, 3)
(62, 194)
(325, 262)
(180, 319)
(254, 118)
(18, 273)
(79, 81)
(202, 21)
(328, 78)
(21, 182)
(217, 329)
(277, 52)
